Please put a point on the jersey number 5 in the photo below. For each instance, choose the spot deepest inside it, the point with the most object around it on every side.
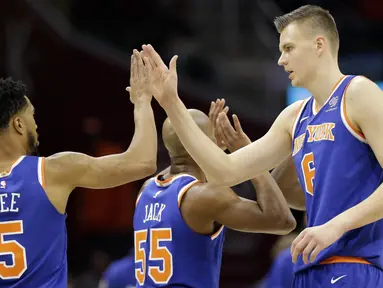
(156, 253)
(13, 248)
(308, 170)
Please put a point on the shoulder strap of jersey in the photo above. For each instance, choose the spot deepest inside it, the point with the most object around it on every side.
(298, 116)
(185, 184)
(41, 171)
(171, 180)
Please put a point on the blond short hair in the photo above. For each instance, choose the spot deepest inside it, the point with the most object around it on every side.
(316, 18)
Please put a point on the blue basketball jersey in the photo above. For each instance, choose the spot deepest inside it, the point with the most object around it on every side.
(119, 274)
(337, 170)
(32, 232)
(168, 253)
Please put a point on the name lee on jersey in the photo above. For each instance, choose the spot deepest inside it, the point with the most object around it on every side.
(153, 212)
(8, 202)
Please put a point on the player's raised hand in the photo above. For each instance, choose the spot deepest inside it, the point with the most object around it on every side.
(215, 108)
(234, 139)
(140, 85)
(311, 241)
(164, 80)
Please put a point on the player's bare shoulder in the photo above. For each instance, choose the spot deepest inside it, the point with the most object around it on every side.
(203, 199)
(360, 94)
(359, 88)
(56, 167)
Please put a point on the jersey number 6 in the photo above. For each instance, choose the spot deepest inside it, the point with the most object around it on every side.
(308, 170)
(156, 253)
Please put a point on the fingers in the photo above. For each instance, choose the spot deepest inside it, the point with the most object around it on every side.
(211, 110)
(156, 58)
(133, 67)
(173, 64)
(299, 244)
(306, 252)
(315, 253)
(140, 64)
(237, 124)
(215, 109)
(150, 61)
(296, 241)
(225, 124)
(220, 135)
(147, 68)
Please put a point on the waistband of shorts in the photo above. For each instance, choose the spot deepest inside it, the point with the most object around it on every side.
(345, 259)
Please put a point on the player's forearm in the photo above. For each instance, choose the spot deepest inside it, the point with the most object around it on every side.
(287, 179)
(213, 161)
(366, 212)
(143, 147)
(272, 203)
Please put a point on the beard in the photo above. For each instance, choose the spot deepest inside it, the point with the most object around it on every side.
(32, 145)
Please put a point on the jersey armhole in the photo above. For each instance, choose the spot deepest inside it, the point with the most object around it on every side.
(216, 234)
(41, 171)
(298, 116)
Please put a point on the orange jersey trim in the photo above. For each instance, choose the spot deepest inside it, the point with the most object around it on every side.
(164, 182)
(138, 198)
(184, 190)
(216, 234)
(170, 180)
(352, 126)
(316, 109)
(14, 164)
(345, 259)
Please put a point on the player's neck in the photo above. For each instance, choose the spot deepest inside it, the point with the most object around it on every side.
(185, 164)
(324, 83)
(9, 151)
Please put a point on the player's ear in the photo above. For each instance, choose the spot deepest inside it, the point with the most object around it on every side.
(320, 43)
(19, 124)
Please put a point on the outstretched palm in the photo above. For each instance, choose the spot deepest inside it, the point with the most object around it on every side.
(163, 79)
(139, 88)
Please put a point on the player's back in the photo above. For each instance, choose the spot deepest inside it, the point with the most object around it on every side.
(168, 252)
(337, 169)
(32, 231)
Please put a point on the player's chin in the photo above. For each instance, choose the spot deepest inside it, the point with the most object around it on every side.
(295, 82)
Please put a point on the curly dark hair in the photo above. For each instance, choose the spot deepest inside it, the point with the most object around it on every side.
(12, 100)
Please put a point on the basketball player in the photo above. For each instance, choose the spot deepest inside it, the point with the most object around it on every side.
(335, 138)
(180, 218)
(34, 190)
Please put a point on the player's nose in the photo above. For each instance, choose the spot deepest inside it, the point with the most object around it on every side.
(282, 61)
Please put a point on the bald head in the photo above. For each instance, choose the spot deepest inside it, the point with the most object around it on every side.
(171, 140)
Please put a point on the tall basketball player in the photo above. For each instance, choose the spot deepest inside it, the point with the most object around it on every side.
(335, 139)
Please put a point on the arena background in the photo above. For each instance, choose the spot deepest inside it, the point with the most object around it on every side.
(74, 55)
